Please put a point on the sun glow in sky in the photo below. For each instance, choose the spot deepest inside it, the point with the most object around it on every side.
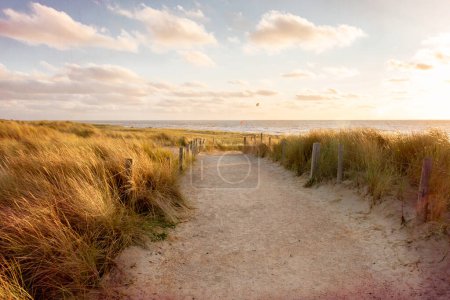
(322, 59)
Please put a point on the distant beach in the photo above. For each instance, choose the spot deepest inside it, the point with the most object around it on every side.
(285, 126)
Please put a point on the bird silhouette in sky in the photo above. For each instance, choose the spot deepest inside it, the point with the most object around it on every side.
(257, 104)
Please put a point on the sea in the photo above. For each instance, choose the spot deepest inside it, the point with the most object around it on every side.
(288, 127)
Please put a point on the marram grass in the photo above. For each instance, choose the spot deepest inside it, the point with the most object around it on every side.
(385, 164)
(67, 206)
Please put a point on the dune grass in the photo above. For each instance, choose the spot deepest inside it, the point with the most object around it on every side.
(385, 164)
(68, 206)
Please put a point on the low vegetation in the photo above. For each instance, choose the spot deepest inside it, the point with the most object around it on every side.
(385, 164)
(68, 205)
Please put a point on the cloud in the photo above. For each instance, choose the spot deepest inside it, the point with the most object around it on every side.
(168, 31)
(107, 87)
(340, 72)
(299, 74)
(394, 64)
(233, 40)
(276, 31)
(56, 29)
(238, 82)
(192, 13)
(197, 58)
(398, 80)
(195, 84)
(334, 72)
(326, 95)
(225, 94)
(434, 53)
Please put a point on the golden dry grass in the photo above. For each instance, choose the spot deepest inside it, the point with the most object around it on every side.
(386, 164)
(67, 205)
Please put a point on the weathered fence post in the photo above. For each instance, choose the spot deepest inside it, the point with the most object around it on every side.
(283, 150)
(422, 199)
(180, 159)
(187, 150)
(340, 166)
(314, 160)
(245, 142)
(129, 167)
(261, 138)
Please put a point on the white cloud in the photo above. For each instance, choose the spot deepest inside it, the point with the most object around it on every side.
(276, 31)
(325, 95)
(238, 82)
(108, 87)
(168, 31)
(195, 84)
(394, 64)
(225, 94)
(192, 13)
(299, 74)
(340, 72)
(56, 29)
(233, 39)
(325, 72)
(197, 58)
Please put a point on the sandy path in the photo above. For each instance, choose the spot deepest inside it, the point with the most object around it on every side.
(259, 234)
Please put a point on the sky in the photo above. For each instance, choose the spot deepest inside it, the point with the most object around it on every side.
(224, 59)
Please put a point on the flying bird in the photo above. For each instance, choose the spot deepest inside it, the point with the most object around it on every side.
(257, 104)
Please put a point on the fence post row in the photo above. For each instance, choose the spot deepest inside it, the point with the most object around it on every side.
(340, 167)
(422, 199)
(314, 160)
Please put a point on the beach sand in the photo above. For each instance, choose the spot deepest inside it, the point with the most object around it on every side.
(259, 234)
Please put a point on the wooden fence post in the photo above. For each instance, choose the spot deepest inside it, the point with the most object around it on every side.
(283, 150)
(340, 166)
(245, 141)
(129, 167)
(314, 160)
(180, 159)
(422, 199)
(261, 137)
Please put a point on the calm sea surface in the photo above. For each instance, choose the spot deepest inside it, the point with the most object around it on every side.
(286, 126)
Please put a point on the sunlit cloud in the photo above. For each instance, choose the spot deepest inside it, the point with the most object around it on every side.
(167, 30)
(197, 58)
(192, 13)
(56, 29)
(325, 95)
(110, 87)
(276, 31)
(322, 73)
(238, 82)
(299, 74)
(394, 64)
(340, 72)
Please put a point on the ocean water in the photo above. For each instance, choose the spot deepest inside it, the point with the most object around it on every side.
(286, 126)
